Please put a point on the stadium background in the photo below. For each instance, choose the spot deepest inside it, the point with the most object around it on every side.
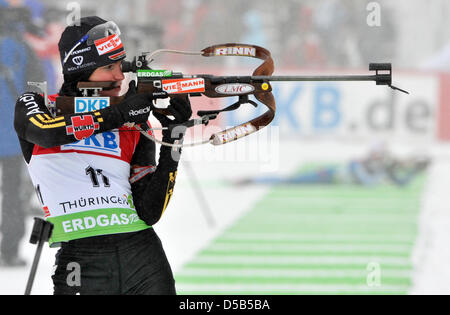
(293, 240)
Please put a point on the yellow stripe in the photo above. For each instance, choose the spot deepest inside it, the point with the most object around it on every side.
(45, 126)
(47, 117)
(169, 191)
(49, 121)
(35, 122)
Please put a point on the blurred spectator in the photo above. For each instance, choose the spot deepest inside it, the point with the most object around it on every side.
(333, 33)
(18, 64)
(45, 46)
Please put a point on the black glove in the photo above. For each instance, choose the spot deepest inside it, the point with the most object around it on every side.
(135, 107)
(180, 109)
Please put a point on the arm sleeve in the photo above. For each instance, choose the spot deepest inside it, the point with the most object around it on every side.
(152, 193)
(34, 123)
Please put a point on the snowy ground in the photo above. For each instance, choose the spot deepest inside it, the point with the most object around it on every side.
(431, 256)
(184, 229)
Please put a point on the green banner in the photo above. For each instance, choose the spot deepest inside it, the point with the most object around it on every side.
(153, 73)
(95, 222)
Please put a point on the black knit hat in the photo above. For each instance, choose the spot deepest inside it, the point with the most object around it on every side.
(82, 52)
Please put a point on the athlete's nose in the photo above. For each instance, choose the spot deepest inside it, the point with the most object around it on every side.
(118, 74)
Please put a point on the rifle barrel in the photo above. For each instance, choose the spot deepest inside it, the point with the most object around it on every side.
(317, 78)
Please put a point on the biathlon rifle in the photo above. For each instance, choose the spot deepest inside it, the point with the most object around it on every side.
(164, 83)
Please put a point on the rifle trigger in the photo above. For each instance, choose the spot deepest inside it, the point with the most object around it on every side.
(206, 118)
(244, 99)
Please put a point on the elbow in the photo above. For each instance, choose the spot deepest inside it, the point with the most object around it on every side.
(150, 219)
(150, 215)
(46, 144)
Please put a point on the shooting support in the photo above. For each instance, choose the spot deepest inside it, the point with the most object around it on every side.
(42, 231)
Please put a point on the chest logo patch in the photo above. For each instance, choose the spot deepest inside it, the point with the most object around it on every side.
(82, 127)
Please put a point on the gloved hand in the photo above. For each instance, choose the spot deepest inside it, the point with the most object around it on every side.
(180, 109)
(135, 108)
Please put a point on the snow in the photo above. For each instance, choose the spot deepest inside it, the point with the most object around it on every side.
(184, 228)
(431, 255)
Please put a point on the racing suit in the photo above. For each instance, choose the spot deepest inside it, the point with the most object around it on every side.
(99, 186)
